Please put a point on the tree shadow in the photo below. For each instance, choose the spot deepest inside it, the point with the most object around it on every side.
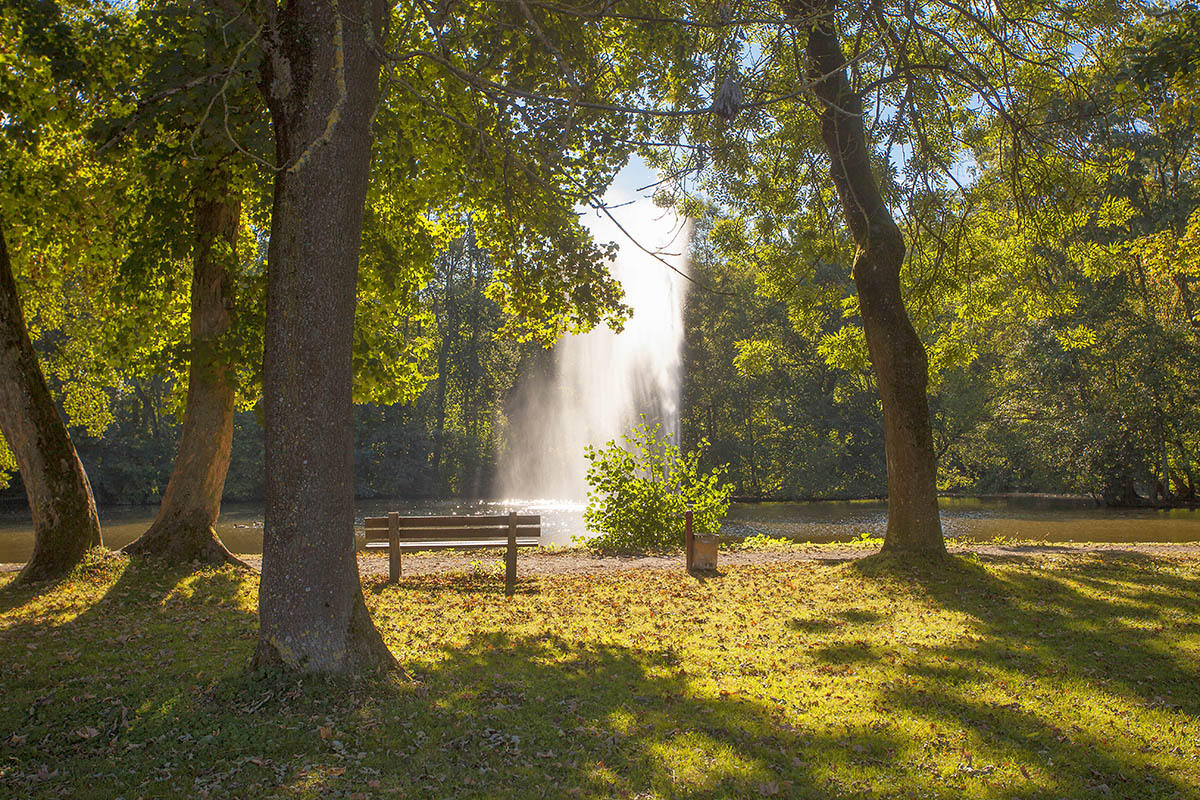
(482, 582)
(859, 616)
(85, 675)
(810, 625)
(15, 593)
(1045, 626)
(146, 692)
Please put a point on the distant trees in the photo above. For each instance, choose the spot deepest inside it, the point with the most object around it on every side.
(1101, 374)
(758, 385)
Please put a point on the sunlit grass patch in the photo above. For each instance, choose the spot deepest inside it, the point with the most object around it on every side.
(1060, 676)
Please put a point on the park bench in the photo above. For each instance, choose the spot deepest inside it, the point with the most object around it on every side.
(510, 531)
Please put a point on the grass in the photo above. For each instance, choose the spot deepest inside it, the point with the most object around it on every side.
(1073, 676)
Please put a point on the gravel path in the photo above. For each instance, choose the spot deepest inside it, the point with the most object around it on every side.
(581, 562)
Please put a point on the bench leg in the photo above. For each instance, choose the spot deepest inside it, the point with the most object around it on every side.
(510, 556)
(394, 546)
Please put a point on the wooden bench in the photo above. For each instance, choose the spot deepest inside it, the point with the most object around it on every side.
(397, 533)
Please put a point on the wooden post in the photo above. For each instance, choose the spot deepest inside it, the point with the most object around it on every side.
(510, 557)
(394, 565)
(689, 538)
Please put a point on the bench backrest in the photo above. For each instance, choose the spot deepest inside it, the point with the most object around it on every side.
(451, 528)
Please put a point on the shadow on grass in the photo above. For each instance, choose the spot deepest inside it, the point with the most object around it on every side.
(146, 693)
(14, 593)
(1046, 628)
(810, 625)
(476, 583)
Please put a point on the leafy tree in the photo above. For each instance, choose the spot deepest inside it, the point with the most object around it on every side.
(47, 101)
(191, 104)
(321, 77)
(65, 522)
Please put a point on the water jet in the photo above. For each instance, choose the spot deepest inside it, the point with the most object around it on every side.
(596, 386)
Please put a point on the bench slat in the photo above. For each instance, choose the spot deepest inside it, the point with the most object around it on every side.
(499, 520)
(409, 544)
(451, 533)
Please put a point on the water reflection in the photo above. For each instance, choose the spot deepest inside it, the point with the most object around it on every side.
(1048, 518)
(1055, 519)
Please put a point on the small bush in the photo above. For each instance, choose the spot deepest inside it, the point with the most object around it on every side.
(639, 489)
(762, 541)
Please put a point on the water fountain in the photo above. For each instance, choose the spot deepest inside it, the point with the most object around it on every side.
(596, 386)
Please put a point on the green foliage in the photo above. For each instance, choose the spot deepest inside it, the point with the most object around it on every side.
(763, 541)
(790, 419)
(640, 488)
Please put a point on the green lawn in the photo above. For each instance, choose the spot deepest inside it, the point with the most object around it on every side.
(1062, 676)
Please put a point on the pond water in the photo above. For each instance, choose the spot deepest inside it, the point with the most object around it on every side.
(1055, 519)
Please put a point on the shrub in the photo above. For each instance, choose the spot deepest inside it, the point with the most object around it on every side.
(762, 541)
(638, 490)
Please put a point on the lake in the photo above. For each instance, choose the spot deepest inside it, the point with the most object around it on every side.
(1049, 518)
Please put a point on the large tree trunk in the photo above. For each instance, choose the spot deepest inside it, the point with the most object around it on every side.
(183, 529)
(65, 523)
(321, 80)
(901, 366)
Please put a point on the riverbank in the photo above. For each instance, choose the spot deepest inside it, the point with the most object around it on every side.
(1059, 673)
(1028, 518)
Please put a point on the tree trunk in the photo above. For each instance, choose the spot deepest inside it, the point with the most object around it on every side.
(321, 80)
(65, 523)
(1183, 284)
(183, 530)
(901, 366)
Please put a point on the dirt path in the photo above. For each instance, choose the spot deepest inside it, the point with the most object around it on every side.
(581, 562)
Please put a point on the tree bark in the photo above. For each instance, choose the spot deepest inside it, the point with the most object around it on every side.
(897, 355)
(321, 81)
(183, 530)
(65, 523)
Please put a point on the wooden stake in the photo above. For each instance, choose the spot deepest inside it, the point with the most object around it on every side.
(510, 557)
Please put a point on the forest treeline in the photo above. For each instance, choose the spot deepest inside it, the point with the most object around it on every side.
(443, 442)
